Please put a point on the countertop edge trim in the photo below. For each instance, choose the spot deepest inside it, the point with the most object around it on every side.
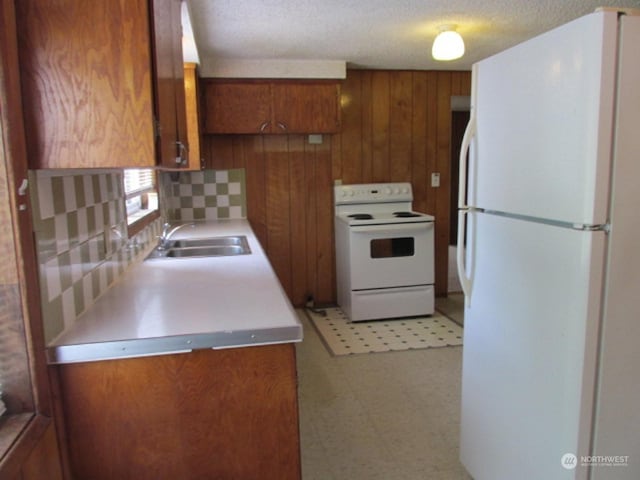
(120, 349)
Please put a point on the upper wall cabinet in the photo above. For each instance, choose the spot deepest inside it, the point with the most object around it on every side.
(277, 107)
(88, 83)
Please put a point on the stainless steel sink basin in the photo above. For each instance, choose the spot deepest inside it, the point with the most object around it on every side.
(203, 247)
(209, 242)
(210, 251)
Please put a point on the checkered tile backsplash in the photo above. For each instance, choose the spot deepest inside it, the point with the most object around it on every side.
(81, 239)
(206, 195)
(81, 229)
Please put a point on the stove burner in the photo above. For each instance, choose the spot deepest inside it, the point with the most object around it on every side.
(361, 216)
(405, 214)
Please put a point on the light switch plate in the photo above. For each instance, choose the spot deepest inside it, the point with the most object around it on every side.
(435, 180)
(315, 139)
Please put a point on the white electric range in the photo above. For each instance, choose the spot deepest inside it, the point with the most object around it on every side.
(384, 252)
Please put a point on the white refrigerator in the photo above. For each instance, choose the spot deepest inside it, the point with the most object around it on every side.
(548, 243)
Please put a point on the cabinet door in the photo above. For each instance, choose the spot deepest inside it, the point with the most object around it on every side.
(191, 91)
(230, 413)
(86, 83)
(165, 88)
(306, 107)
(236, 107)
(178, 75)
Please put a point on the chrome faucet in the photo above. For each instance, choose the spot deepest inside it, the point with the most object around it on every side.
(167, 231)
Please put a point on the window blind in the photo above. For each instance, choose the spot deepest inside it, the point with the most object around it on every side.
(138, 181)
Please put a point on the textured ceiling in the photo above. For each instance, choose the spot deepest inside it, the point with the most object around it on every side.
(380, 34)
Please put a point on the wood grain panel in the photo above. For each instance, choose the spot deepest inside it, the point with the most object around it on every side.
(278, 207)
(380, 126)
(221, 148)
(20, 315)
(325, 254)
(255, 166)
(431, 135)
(87, 83)
(309, 107)
(298, 219)
(311, 222)
(368, 96)
(395, 127)
(419, 141)
(165, 98)
(208, 414)
(443, 156)
(180, 108)
(249, 102)
(460, 83)
(14, 360)
(400, 134)
(44, 460)
(351, 139)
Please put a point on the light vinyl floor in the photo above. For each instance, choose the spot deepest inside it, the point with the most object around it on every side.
(387, 416)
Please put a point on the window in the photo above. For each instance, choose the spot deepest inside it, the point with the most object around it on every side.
(392, 247)
(141, 197)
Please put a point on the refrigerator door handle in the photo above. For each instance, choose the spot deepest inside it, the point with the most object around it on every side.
(465, 277)
(469, 133)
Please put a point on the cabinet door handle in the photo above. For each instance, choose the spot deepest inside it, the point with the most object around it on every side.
(281, 126)
(183, 155)
(264, 126)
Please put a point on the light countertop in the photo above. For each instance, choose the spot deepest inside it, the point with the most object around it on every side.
(165, 306)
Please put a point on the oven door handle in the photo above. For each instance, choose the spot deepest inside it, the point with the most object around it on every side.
(394, 228)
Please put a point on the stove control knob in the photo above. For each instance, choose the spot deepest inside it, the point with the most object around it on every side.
(351, 193)
(397, 191)
(387, 191)
(405, 190)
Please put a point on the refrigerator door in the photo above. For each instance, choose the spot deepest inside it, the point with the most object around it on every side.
(544, 116)
(529, 352)
(617, 428)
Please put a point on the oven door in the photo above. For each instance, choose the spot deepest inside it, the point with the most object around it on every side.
(393, 255)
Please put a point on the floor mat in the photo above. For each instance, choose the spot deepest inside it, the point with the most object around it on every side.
(342, 337)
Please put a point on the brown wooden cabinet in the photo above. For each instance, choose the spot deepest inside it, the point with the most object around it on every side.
(230, 413)
(171, 132)
(90, 85)
(277, 107)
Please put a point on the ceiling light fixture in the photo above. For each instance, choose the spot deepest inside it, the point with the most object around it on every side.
(448, 45)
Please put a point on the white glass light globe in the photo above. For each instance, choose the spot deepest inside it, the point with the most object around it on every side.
(448, 45)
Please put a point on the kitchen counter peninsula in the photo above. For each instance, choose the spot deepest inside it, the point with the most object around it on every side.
(185, 368)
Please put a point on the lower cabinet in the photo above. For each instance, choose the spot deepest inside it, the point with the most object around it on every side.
(210, 414)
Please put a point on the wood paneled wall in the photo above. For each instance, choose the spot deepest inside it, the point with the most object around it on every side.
(396, 127)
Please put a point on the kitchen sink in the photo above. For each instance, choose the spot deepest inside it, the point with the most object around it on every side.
(238, 240)
(202, 247)
(210, 251)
